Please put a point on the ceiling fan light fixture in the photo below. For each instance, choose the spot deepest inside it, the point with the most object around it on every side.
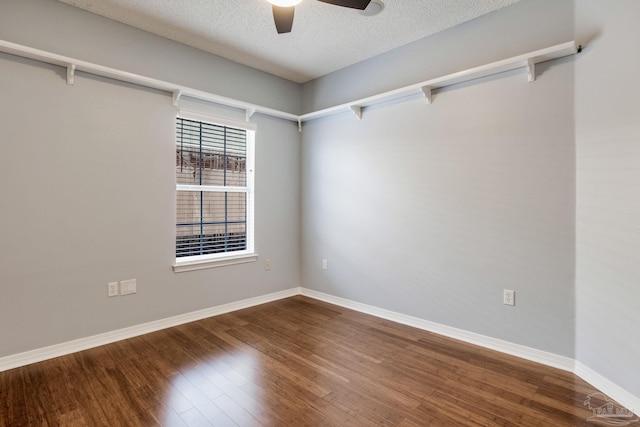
(374, 8)
(284, 3)
(284, 10)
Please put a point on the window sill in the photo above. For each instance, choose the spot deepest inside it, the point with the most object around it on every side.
(181, 266)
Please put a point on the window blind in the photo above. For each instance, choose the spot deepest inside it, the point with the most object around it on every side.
(212, 191)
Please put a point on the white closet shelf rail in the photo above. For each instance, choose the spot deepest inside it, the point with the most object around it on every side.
(72, 65)
(526, 61)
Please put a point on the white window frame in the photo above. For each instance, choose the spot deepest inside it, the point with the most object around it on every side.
(199, 262)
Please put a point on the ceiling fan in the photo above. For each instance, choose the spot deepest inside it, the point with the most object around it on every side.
(283, 10)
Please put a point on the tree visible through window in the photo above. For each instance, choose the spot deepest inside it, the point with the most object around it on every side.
(214, 189)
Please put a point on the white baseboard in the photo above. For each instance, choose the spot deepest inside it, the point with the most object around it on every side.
(38, 355)
(524, 352)
(601, 383)
(609, 388)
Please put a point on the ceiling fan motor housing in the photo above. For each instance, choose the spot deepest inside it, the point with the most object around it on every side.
(284, 10)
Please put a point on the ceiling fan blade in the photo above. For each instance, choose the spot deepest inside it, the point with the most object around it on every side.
(354, 4)
(283, 17)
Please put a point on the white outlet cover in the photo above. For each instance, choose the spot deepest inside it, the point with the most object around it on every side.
(112, 289)
(128, 287)
(509, 297)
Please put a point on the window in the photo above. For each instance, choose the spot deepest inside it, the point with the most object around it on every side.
(214, 193)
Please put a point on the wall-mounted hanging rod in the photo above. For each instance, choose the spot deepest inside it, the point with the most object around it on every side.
(527, 61)
(72, 65)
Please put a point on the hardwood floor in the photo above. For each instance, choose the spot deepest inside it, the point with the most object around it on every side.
(294, 362)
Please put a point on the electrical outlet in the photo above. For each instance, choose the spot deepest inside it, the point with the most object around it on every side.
(325, 264)
(509, 297)
(128, 287)
(112, 289)
(267, 264)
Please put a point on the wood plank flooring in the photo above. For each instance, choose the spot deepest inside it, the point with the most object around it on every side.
(293, 362)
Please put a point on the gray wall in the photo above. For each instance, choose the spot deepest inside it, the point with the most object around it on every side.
(88, 187)
(608, 185)
(433, 210)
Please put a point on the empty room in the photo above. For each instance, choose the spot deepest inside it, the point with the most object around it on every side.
(319, 213)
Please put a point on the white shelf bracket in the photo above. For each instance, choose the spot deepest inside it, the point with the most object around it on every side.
(299, 125)
(426, 90)
(531, 70)
(71, 73)
(249, 112)
(357, 110)
(176, 97)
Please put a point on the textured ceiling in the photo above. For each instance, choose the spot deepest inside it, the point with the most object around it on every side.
(325, 38)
